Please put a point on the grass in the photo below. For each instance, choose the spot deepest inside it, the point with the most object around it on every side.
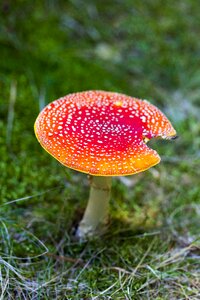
(151, 249)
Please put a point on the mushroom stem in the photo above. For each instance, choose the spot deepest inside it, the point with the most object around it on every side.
(96, 213)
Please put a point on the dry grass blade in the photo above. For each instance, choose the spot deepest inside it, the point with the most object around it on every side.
(30, 197)
(65, 258)
(10, 118)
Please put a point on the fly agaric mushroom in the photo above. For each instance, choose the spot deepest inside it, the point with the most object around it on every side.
(103, 134)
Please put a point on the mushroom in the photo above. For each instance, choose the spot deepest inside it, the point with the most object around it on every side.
(102, 134)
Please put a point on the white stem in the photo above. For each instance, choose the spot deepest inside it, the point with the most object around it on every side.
(96, 213)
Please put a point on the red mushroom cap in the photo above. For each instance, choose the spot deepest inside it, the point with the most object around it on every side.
(102, 133)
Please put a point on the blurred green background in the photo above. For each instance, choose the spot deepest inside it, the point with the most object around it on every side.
(147, 49)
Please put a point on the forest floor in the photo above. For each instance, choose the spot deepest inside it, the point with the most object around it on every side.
(151, 250)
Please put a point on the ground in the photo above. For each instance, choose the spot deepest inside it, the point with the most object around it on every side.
(151, 250)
